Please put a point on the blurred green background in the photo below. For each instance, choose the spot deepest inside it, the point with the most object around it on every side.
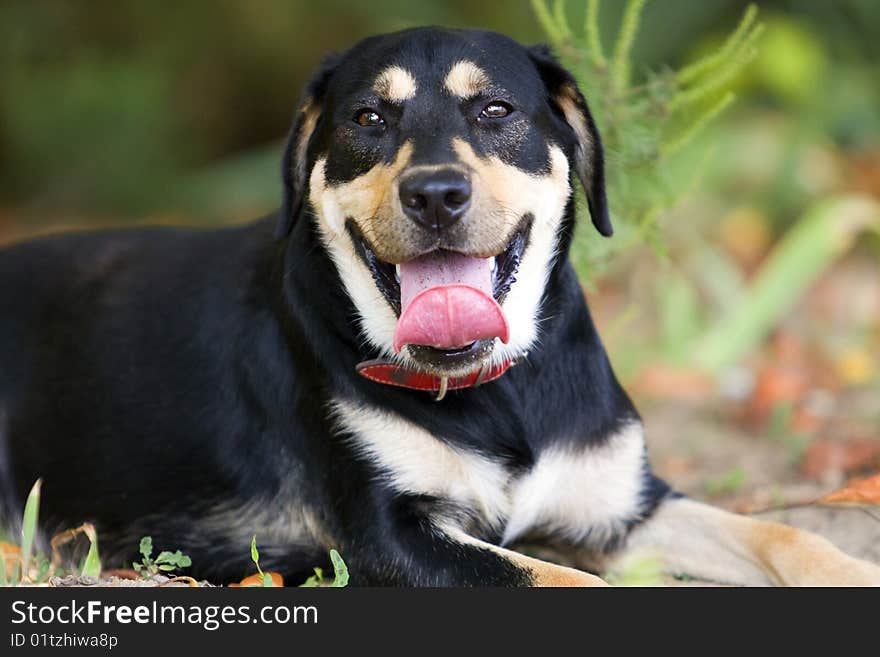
(743, 278)
(119, 111)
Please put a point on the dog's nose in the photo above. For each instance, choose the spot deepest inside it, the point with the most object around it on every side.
(435, 199)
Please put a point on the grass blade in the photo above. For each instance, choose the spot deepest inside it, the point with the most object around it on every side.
(628, 28)
(340, 578)
(824, 233)
(29, 526)
(92, 565)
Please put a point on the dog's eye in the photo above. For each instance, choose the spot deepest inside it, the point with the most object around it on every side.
(368, 117)
(496, 110)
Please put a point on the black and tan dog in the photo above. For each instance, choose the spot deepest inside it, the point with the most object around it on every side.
(204, 386)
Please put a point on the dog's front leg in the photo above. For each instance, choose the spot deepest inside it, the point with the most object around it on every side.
(705, 542)
(442, 555)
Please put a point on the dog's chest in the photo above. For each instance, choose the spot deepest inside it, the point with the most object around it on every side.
(579, 493)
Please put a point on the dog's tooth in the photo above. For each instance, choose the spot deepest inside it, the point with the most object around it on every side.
(397, 272)
(494, 264)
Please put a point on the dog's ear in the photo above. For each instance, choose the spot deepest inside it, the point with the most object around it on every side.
(569, 102)
(293, 163)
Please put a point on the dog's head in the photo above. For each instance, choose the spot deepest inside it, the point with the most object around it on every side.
(437, 166)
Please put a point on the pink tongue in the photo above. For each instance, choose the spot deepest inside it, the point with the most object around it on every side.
(446, 302)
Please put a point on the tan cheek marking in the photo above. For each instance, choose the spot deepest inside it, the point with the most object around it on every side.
(395, 84)
(363, 199)
(513, 191)
(465, 79)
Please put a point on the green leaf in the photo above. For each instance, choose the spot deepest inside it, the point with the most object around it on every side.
(255, 555)
(184, 561)
(92, 565)
(340, 569)
(314, 580)
(146, 546)
(165, 557)
(267, 581)
(166, 567)
(29, 526)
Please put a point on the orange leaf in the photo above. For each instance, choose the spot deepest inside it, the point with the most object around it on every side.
(10, 556)
(864, 491)
(257, 580)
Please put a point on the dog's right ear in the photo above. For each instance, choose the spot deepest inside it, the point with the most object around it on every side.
(293, 163)
(568, 100)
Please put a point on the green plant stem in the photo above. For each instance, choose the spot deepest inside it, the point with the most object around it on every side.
(629, 25)
(745, 54)
(731, 45)
(824, 233)
(591, 30)
(548, 23)
(675, 144)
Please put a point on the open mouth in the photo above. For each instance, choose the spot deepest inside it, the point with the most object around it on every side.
(448, 303)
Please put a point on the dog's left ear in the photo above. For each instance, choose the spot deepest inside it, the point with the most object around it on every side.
(294, 161)
(569, 102)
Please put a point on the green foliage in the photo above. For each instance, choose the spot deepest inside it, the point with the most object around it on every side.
(28, 566)
(340, 570)
(165, 562)
(826, 231)
(29, 529)
(638, 569)
(340, 574)
(726, 484)
(644, 124)
(91, 566)
(255, 557)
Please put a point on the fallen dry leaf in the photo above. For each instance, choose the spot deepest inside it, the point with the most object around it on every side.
(859, 492)
(257, 580)
(825, 457)
(121, 573)
(10, 556)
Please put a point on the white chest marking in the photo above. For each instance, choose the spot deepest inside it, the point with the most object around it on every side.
(414, 461)
(581, 493)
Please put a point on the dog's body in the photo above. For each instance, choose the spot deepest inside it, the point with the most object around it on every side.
(202, 387)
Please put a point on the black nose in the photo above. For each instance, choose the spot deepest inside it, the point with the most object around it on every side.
(435, 199)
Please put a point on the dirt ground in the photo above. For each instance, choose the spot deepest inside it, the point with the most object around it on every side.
(701, 453)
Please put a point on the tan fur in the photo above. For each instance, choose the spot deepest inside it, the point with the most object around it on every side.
(702, 541)
(395, 85)
(568, 102)
(310, 112)
(466, 80)
(793, 557)
(542, 573)
(502, 195)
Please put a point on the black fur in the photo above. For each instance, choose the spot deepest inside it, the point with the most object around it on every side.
(158, 379)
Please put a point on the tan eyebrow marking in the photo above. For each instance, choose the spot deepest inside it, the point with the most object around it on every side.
(465, 79)
(395, 84)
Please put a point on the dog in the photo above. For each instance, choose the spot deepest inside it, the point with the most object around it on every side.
(399, 364)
